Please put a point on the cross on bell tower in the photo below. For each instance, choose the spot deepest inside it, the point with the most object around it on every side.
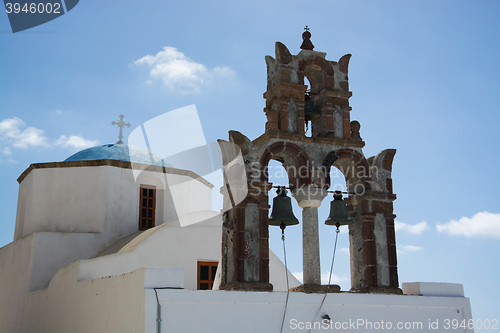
(120, 124)
(306, 36)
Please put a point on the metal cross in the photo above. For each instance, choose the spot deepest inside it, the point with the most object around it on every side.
(306, 28)
(120, 124)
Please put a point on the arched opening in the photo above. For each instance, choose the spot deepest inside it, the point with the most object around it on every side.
(341, 269)
(279, 177)
(286, 164)
(313, 76)
(308, 124)
(356, 172)
(348, 171)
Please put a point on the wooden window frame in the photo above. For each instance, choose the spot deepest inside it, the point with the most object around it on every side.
(211, 266)
(141, 207)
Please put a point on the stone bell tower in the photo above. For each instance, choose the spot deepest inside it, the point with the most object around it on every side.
(329, 90)
(335, 141)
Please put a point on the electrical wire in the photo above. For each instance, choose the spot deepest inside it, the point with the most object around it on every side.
(330, 277)
(286, 274)
(158, 313)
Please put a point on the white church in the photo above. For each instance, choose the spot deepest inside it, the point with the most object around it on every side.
(115, 239)
(87, 227)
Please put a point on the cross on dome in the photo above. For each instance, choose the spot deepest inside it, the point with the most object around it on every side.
(120, 124)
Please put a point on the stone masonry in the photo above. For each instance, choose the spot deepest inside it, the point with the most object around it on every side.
(335, 141)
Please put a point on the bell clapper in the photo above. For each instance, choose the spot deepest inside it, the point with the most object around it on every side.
(282, 226)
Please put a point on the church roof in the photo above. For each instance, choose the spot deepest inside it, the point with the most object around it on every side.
(119, 152)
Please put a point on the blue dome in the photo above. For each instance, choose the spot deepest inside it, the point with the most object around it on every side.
(120, 152)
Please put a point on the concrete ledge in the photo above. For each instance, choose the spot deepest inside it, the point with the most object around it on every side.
(377, 290)
(316, 289)
(116, 164)
(433, 289)
(247, 286)
(297, 138)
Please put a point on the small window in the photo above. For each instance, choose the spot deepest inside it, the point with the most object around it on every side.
(206, 274)
(147, 206)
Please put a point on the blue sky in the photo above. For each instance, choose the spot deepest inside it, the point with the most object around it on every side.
(424, 77)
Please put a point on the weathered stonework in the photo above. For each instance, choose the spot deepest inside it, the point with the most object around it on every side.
(329, 92)
(335, 141)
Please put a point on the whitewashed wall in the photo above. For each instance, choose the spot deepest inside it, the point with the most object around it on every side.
(77, 212)
(100, 199)
(230, 311)
(168, 245)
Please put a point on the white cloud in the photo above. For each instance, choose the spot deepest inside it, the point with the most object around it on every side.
(7, 152)
(324, 277)
(75, 142)
(415, 229)
(481, 224)
(223, 71)
(11, 131)
(180, 74)
(408, 248)
(29, 137)
(344, 250)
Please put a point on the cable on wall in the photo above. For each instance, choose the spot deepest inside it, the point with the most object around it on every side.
(286, 274)
(330, 277)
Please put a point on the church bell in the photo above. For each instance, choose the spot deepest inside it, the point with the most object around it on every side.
(282, 212)
(338, 211)
(310, 112)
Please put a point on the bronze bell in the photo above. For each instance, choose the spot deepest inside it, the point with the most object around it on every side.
(282, 210)
(310, 112)
(338, 211)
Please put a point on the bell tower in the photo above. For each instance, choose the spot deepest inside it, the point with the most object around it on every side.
(335, 141)
(286, 92)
